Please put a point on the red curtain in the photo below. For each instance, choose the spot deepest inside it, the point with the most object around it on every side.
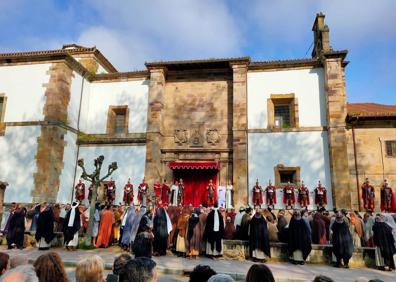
(195, 183)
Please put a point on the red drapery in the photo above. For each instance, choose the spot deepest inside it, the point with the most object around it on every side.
(195, 183)
(194, 165)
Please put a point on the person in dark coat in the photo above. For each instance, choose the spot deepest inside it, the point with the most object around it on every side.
(71, 226)
(299, 239)
(342, 241)
(45, 227)
(160, 230)
(16, 228)
(214, 231)
(258, 238)
(193, 241)
(243, 233)
(385, 242)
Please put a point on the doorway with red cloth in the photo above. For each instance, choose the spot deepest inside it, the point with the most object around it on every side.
(195, 183)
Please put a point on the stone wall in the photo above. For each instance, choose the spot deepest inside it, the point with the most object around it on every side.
(336, 115)
(50, 149)
(372, 161)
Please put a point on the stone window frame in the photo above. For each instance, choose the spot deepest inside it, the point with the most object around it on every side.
(282, 99)
(111, 118)
(280, 167)
(393, 154)
(2, 113)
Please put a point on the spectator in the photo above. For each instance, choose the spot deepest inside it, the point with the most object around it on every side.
(221, 278)
(201, 273)
(322, 278)
(18, 260)
(4, 262)
(120, 262)
(90, 269)
(49, 267)
(259, 273)
(22, 273)
(139, 270)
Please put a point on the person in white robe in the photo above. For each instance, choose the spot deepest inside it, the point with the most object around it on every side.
(229, 189)
(174, 191)
(221, 196)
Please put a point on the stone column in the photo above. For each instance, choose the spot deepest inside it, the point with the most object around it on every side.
(3, 186)
(239, 133)
(51, 143)
(155, 125)
(336, 115)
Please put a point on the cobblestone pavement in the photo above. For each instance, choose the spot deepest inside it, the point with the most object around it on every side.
(171, 268)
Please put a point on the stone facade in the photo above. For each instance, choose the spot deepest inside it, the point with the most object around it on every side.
(51, 142)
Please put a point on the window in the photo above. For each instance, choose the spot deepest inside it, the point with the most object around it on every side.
(282, 111)
(282, 116)
(117, 120)
(284, 174)
(390, 148)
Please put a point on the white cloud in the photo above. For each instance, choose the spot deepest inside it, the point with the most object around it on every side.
(138, 31)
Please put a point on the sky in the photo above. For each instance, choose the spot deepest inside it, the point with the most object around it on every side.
(130, 33)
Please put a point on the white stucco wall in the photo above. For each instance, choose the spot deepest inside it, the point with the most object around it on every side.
(101, 95)
(17, 161)
(130, 159)
(23, 87)
(306, 84)
(69, 164)
(308, 150)
(74, 103)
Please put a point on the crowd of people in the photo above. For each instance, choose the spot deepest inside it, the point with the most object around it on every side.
(191, 232)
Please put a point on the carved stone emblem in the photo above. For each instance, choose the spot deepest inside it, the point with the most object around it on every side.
(212, 136)
(181, 136)
(196, 138)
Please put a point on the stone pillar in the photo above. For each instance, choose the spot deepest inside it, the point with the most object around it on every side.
(336, 115)
(155, 125)
(239, 133)
(3, 186)
(51, 143)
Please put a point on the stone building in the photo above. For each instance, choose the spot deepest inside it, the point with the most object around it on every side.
(228, 119)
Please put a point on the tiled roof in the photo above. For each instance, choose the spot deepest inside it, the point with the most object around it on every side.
(367, 110)
(71, 49)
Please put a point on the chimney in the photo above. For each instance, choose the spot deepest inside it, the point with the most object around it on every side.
(321, 36)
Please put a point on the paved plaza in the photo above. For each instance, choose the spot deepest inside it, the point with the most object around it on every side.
(172, 268)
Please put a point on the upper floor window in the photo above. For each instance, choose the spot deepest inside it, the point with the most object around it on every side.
(390, 148)
(282, 111)
(284, 174)
(117, 120)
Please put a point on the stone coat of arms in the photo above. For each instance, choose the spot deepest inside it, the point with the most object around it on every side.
(181, 136)
(212, 136)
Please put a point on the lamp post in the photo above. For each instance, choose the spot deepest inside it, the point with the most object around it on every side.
(96, 180)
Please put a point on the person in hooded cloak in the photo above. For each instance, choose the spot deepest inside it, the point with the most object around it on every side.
(193, 235)
(131, 226)
(258, 238)
(161, 229)
(16, 228)
(243, 233)
(214, 231)
(45, 227)
(342, 241)
(299, 239)
(385, 243)
(71, 226)
(318, 230)
(182, 224)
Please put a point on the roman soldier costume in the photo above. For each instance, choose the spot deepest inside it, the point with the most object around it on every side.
(110, 191)
(211, 194)
(320, 195)
(270, 192)
(157, 191)
(128, 193)
(288, 196)
(387, 198)
(368, 195)
(303, 195)
(80, 191)
(142, 193)
(180, 193)
(164, 193)
(257, 194)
